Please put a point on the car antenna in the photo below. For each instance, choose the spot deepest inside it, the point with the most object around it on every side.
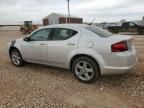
(91, 22)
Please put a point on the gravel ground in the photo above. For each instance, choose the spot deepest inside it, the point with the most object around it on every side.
(38, 86)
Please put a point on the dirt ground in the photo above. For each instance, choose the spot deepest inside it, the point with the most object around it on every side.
(37, 86)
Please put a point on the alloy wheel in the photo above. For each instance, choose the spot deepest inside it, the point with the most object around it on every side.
(15, 58)
(84, 70)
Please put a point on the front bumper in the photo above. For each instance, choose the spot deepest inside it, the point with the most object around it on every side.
(8, 48)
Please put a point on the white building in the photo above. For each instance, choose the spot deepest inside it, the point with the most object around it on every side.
(57, 18)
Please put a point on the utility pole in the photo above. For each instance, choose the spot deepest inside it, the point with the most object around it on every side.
(68, 12)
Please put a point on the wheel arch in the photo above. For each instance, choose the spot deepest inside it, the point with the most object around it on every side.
(84, 55)
(13, 47)
(21, 61)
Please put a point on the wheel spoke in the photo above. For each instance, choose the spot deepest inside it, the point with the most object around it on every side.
(85, 65)
(80, 73)
(79, 66)
(17, 57)
(18, 61)
(86, 76)
(14, 56)
(89, 70)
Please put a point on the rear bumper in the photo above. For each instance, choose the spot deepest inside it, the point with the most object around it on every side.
(116, 70)
(120, 63)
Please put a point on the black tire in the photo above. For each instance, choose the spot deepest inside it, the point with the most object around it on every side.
(94, 66)
(21, 62)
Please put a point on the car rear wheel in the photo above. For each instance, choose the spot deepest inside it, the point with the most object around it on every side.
(16, 58)
(85, 69)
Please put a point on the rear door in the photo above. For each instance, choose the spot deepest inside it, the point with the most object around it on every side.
(62, 43)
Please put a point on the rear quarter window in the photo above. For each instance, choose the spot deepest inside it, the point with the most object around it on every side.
(99, 31)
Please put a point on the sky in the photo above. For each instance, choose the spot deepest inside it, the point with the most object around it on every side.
(16, 11)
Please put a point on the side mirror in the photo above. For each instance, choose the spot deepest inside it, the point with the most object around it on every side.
(26, 39)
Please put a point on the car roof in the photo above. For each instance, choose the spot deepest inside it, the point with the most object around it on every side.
(67, 25)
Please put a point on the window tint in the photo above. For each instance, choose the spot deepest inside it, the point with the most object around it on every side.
(41, 35)
(63, 34)
(99, 31)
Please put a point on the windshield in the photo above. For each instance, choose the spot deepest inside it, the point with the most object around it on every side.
(99, 31)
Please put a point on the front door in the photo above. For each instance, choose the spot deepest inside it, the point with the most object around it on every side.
(36, 48)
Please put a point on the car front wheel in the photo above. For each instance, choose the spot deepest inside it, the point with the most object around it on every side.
(85, 69)
(16, 57)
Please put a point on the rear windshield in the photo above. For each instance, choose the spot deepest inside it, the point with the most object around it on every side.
(99, 31)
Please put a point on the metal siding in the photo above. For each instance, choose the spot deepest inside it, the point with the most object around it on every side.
(45, 22)
(72, 20)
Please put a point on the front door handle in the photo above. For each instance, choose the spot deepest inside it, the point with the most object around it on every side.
(42, 44)
(71, 43)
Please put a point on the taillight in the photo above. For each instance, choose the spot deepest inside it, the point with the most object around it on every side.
(119, 47)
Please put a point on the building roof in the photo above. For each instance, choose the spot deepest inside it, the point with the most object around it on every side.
(59, 15)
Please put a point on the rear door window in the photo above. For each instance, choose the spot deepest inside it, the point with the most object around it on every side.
(63, 34)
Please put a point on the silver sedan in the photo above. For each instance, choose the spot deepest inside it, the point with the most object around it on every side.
(88, 51)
